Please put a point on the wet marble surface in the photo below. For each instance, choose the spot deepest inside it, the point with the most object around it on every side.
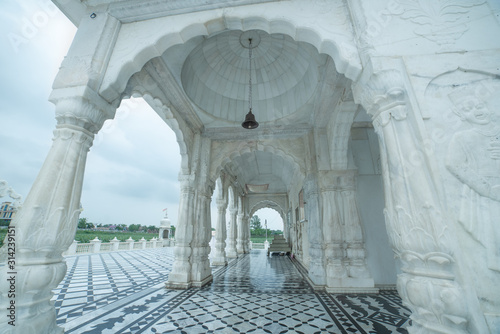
(123, 292)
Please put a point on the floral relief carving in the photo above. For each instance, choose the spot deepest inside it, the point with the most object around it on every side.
(441, 21)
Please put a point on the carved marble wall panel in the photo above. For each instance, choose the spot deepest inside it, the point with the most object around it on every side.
(464, 123)
(406, 27)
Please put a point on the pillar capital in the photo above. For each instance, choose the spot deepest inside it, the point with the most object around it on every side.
(221, 204)
(338, 180)
(380, 92)
(81, 108)
(187, 182)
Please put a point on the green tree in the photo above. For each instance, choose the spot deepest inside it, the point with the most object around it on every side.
(82, 223)
(152, 229)
(172, 231)
(255, 223)
(256, 226)
(133, 227)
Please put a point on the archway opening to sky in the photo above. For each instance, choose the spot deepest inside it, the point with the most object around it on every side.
(272, 218)
(132, 169)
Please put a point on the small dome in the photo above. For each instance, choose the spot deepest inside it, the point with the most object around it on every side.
(165, 222)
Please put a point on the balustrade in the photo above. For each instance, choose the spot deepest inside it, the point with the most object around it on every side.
(96, 246)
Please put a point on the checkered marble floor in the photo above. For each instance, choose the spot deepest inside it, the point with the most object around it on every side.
(123, 292)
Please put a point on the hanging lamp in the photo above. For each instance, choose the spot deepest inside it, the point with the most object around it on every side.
(250, 122)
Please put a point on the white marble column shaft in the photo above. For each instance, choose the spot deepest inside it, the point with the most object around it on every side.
(219, 258)
(180, 276)
(232, 234)
(414, 213)
(46, 224)
(201, 273)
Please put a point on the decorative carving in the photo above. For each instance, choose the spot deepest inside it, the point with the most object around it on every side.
(383, 91)
(440, 21)
(6, 190)
(154, 8)
(417, 227)
(438, 305)
(474, 159)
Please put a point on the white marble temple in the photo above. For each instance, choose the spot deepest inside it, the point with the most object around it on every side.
(379, 132)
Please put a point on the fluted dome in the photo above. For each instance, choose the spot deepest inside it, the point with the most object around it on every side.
(215, 75)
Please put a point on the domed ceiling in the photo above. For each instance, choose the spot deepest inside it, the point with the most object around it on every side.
(215, 75)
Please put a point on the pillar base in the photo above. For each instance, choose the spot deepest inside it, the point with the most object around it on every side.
(232, 255)
(199, 284)
(352, 290)
(219, 262)
(351, 284)
(177, 285)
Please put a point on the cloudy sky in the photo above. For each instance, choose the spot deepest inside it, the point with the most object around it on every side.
(132, 168)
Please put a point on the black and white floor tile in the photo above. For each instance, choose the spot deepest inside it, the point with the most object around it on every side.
(123, 292)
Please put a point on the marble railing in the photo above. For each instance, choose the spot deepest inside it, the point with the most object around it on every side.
(256, 245)
(97, 246)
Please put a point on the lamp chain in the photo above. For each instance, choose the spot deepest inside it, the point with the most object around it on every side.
(250, 72)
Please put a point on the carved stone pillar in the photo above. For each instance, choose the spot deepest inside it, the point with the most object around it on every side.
(180, 276)
(201, 273)
(232, 234)
(358, 275)
(46, 224)
(415, 219)
(314, 231)
(336, 272)
(219, 258)
(246, 234)
(240, 238)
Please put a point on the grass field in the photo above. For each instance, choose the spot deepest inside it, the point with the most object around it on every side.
(84, 236)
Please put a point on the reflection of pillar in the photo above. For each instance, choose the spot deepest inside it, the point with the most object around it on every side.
(415, 219)
(180, 276)
(232, 234)
(219, 258)
(200, 264)
(46, 224)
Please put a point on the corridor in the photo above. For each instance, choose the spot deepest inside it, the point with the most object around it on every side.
(123, 292)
